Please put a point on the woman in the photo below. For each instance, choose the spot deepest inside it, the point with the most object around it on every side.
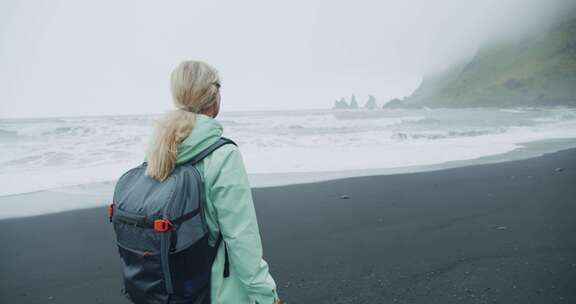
(229, 207)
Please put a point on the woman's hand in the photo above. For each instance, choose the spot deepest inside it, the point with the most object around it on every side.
(277, 301)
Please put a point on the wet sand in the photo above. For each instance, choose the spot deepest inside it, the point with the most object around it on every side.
(493, 233)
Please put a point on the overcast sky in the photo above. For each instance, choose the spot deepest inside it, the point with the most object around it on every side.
(62, 58)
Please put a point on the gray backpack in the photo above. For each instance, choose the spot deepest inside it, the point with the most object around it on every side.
(162, 235)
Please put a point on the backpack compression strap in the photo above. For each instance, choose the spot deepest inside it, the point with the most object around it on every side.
(222, 141)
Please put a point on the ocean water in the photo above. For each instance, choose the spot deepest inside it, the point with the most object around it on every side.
(46, 153)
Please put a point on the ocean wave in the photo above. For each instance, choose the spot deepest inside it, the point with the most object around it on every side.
(519, 111)
(46, 159)
(23, 161)
(8, 133)
(422, 122)
(560, 117)
(72, 130)
(234, 123)
(125, 141)
(400, 136)
(96, 148)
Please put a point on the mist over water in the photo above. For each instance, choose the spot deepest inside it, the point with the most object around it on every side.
(291, 55)
(46, 153)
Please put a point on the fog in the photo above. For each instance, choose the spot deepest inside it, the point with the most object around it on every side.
(63, 58)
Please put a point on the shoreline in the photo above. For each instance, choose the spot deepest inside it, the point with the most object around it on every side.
(491, 233)
(100, 193)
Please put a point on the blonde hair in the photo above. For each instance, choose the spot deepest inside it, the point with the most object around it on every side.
(195, 86)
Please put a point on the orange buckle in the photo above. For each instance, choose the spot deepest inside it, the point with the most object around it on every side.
(162, 225)
(110, 211)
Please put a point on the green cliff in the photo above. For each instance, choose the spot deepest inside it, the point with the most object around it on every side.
(536, 70)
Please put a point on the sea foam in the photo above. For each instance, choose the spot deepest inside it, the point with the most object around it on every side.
(47, 153)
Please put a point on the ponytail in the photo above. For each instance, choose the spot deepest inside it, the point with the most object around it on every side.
(171, 130)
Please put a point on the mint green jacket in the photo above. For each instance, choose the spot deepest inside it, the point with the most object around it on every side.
(230, 209)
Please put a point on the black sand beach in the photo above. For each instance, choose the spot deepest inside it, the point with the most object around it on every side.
(495, 233)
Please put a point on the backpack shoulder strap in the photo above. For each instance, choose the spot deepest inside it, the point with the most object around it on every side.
(221, 141)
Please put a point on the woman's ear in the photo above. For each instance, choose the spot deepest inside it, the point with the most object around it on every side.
(217, 104)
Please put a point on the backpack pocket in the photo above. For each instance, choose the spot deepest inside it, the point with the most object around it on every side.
(191, 268)
(143, 281)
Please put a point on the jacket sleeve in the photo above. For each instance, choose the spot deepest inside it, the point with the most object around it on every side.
(232, 198)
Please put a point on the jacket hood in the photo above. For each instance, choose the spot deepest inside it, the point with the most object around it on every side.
(205, 132)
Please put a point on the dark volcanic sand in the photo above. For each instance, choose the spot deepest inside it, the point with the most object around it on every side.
(496, 233)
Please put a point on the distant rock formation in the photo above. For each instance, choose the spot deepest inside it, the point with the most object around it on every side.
(371, 103)
(353, 102)
(341, 104)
